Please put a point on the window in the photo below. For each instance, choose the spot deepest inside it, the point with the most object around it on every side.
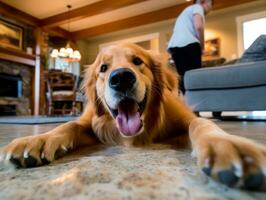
(250, 27)
(253, 29)
(63, 65)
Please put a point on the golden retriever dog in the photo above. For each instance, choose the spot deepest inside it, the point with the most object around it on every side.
(133, 101)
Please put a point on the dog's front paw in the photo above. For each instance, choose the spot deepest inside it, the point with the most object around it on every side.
(232, 160)
(34, 151)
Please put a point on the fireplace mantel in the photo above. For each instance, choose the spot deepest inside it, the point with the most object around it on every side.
(17, 56)
(33, 62)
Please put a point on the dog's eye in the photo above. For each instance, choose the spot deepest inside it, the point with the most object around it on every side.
(104, 68)
(137, 61)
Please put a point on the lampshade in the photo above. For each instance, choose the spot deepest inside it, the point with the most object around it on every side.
(76, 55)
(54, 53)
(68, 53)
(62, 52)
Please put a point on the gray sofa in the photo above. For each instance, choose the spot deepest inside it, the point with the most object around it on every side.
(237, 87)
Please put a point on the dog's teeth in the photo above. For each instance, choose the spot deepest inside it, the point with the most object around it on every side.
(238, 169)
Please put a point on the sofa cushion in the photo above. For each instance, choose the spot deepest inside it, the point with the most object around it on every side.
(231, 76)
(256, 51)
(233, 99)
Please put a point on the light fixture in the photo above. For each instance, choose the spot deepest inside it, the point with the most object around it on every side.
(67, 53)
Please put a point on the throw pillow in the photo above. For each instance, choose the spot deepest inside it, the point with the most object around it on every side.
(256, 52)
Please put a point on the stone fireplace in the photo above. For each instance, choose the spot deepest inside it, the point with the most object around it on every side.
(15, 88)
(11, 85)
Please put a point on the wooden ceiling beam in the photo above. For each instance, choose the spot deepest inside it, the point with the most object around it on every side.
(228, 3)
(147, 18)
(20, 16)
(131, 22)
(57, 31)
(13, 13)
(86, 11)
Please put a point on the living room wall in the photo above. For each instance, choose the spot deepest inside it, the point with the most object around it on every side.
(223, 24)
(220, 24)
(91, 45)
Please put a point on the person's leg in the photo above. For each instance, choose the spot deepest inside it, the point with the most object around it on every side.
(178, 58)
(192, 54)
(192, 60)
(186, 58)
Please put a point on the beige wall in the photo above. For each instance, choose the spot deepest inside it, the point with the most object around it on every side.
(83, 48)
(163, 28)
(223, 24)
(218, 24)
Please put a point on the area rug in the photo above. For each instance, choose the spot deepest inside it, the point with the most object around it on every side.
(36, 120)
(118, 173)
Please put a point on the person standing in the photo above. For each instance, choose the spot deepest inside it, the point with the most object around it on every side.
(187, 41)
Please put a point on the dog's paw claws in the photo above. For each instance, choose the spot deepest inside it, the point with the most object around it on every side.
(26, 154)
(254, 181)
(233, 161)
(30, 161)
(16, 162)
(227, 177)
(45, 161)
(238, 169)
(206, 170)
(8, 156)
(33, 151)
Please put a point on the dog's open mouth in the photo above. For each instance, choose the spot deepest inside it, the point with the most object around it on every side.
(128, 116)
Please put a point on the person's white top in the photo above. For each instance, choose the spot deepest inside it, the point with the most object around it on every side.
(184, 32)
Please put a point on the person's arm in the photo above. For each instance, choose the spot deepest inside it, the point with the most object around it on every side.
(199, 27)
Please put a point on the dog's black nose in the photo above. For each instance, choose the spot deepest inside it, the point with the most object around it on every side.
(122, 79)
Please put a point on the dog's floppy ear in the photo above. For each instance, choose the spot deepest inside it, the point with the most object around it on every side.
(89, 86)
(169, 77)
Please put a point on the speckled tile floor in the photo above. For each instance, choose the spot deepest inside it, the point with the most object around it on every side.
(155, 172)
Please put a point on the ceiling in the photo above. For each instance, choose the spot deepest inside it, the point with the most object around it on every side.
(89, 18)
(48, 8)
(122, 13)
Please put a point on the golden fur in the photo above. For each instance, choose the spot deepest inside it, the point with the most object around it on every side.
(165, 116)
(157, 77)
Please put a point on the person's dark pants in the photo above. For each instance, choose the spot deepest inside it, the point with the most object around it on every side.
(186, 58)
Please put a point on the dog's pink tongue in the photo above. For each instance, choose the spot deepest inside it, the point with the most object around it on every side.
(128, 119)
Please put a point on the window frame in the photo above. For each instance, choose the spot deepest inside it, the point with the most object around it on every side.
(240, 33)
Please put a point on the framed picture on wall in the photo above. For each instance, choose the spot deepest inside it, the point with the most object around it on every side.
(11, 35)
(212, 48)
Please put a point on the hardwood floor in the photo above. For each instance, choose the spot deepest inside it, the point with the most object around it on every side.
(10, 132)
(252, 130)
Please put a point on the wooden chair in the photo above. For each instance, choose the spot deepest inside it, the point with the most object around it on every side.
(61, 92)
